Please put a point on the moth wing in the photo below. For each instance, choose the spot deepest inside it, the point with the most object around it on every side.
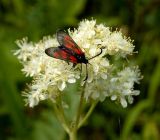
(65, 40)
(61, 54)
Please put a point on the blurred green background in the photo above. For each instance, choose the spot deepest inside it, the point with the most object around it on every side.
(139, 19)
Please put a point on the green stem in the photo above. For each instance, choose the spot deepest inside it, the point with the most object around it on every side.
(73, 135)
(88, 114)
(72, 132)
(80, 108)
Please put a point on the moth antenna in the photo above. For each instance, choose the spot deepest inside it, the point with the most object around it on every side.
(97, 54)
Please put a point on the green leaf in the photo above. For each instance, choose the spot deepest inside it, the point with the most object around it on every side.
(132, 117)
(150, 131)
(47, 127)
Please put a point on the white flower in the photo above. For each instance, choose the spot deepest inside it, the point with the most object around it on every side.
(117, 43)
(121, 85)
(105, 77)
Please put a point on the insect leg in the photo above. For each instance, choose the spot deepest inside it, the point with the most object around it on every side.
(67, 62)
(74, 64)
(86, 74)
(81, 70)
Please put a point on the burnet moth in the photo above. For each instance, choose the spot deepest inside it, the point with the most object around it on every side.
(69, 51)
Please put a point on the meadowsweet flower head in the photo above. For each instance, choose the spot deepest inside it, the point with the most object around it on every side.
(105, 78)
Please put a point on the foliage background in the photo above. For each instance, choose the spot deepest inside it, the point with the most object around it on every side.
(138, 19)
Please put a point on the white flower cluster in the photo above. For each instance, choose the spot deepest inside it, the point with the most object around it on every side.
(105, 79)
(117, 87)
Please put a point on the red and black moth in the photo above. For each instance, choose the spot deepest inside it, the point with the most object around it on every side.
(69, 51)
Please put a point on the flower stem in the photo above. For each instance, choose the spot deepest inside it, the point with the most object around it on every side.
(73, 135)
(80, 108)
(88, 113)
(72, 131)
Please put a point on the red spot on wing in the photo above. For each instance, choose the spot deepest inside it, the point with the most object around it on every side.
(64, 55)
(65, 40)
(67, 37)
(59, 53)
(56, 55)
(79, 52)
(70, 44)
(73, 59)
